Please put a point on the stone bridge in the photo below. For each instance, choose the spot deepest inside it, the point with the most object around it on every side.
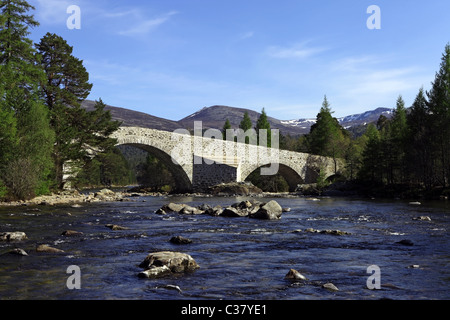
(198, 162)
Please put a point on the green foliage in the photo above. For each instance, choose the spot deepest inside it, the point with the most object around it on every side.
(155, 175)
(274, 183)
(322, 181)
(106, 169)
(327, 137)
(226, 127)
(246, 123)
(25, 134)
(263, 124)
(3, 190)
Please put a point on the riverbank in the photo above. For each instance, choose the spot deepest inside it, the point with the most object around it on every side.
(72, 197)
(340, 189)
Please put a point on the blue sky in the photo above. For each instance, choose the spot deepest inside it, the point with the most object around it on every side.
(170, 58)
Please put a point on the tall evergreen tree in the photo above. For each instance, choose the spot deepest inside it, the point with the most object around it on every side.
(79, 134)
(246, 125)
(226, 127)
(263, 124)
(439, 111)
(29, 137)
(327, 137)
(370, 170)
(397, 141)
(419, 154)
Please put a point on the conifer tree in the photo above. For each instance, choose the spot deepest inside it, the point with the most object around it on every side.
(439, 112)
(26, 134)
(245, 126)
(226, 127)
(79, 134)
(327, 137)
(263, 124)
(419, 153)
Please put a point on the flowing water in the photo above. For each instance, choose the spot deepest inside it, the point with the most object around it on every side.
(239, 258)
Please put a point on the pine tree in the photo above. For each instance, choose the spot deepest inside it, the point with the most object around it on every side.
(226, 127)
(370, 170)
(397, 139)
(246, 123)
(327, 137)
(263, 124)
(439, 111)
(79, 134)
(246, 126)
(419, 154)
(26, 133)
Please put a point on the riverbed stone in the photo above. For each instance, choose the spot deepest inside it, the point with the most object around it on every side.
(330, 287)
(176, 262)
(71, 233)
(115, 227)
(405, 242)
(234, 212)
(295, 275)
(422, 218)
(173, 207)
(18, 252)
(155, 272)
(43, 248)
(270, 211)
(13, 236)
(180, 240)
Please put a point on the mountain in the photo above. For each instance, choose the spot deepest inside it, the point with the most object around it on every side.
(347, 122)
(130, 118)
(215, 117)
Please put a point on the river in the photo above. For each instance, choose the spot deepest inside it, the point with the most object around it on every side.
(239, 258)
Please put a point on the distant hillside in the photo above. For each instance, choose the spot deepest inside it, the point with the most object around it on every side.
(130, 118)
(215, 117)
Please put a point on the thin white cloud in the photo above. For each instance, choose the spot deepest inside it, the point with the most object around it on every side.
(144, 26)
(52, 11)
(298, 51)
(246, 35)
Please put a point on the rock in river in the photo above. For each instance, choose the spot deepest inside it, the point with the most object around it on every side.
(180, 240)
(71, 233)
(13, 236)
(43, 248)
(270, 211)
(162, 263)
(295, 275)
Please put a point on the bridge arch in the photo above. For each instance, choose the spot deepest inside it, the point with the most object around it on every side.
(159, 148)
(291, 176)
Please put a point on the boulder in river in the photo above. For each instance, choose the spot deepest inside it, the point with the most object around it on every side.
(422, 218)
(180, 240)
(234, 212)
(162, 263)
(115, 227)
(295, 275)
(18, 252)
(13, 236)
(269, 211)
(330, 287)
(405, 242)
(71, 233)
(43, 248)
